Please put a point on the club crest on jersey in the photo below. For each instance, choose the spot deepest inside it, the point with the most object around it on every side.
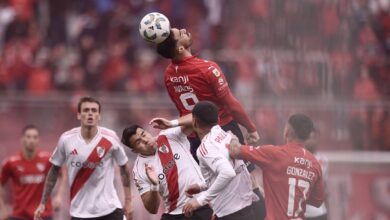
(100, 151)
(215, 71)
(163, 149)
(40, 167)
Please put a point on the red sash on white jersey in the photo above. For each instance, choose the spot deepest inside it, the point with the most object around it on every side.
(169, 169)
(84, 173)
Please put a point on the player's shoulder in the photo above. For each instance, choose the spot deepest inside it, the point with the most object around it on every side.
(70, 133)
(108, 132)
(13, 158)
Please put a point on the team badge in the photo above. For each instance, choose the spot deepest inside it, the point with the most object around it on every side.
(215, 71)
(41, 167)
(163, 149)
(20, 168)
(100, 151)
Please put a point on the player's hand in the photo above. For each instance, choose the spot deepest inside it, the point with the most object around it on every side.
(39, 211)
(192, 189)
(128, 209)
(252, 138)
(151, 173)
(234, 147)
(160, 123)
(190, 207)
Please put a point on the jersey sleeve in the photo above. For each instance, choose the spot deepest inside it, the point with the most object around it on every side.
(317, 195)
(141, 181)
(261, 155)
(211, 157)
(58, 157)
(5, 172)
(216, 79)
(119, 152)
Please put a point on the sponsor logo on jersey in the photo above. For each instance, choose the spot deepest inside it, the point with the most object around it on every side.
(100, 151)
(179, 79)
(32, 179)
(163, 149)
(40, 166)
(221, 81)
(86, 164)
(74, 152)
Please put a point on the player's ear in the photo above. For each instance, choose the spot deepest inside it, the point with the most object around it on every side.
(180, 49)
(78, 116)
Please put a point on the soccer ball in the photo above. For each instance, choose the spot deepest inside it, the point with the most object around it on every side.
(154, 27)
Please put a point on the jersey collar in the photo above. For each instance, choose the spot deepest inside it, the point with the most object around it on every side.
(183, 60)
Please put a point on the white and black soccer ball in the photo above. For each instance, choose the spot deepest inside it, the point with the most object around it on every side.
(154, 27)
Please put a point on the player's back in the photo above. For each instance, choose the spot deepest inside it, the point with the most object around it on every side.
(292, 177)
(238, 193)
(193, 80)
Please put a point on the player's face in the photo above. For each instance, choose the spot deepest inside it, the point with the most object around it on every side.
(30, 139)
(143, 142)
(89, 114)
(183, 37)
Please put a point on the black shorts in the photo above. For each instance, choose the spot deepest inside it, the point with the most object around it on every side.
(203, 213)
(117, 214)
(245, 213)
(322, 217)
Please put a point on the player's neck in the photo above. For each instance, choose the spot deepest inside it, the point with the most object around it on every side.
(28, 155)
(294, 140)
(88, 133)
(203, 133)
(183, 56)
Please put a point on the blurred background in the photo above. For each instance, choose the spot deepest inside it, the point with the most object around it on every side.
(328, 59)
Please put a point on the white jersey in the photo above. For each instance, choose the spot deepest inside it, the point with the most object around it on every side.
(90, 171)
(312, 211)
(175, 167)
(212, 153)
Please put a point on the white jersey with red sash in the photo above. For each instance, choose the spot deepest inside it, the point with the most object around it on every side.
(90, 171)
(175, 167)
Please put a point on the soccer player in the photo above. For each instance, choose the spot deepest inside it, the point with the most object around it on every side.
(27, 170)
(89, 152)
(229, 189)
(189, 79)
(165, 168)
(292, 176)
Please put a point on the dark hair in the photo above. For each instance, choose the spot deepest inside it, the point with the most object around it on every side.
(127, 133)
(167, 48)
(302, 126)
(87, 99)
(206, 112)
(28, 127)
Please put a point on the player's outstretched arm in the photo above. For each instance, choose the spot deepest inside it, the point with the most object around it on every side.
(240, 115)
(125, 174)
(50, 182)
(185, 122)
(234, 147)
(151, 199)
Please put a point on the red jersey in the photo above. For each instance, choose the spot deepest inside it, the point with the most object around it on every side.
(192, 80)
(292, 177)
(27, 182)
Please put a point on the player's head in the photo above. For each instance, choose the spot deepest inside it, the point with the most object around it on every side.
(139, 140)
(30, 138)
(204, 116)
(177, 43)
(298, 127)
(88, 111)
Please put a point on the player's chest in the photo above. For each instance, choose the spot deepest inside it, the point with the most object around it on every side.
(30, 172)
(183, 82)
(79, 151)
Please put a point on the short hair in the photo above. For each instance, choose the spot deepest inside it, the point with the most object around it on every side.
(302, 126)
(87, 99)
(206, 112)
(167, 48)
(127, 133)
(28, 127)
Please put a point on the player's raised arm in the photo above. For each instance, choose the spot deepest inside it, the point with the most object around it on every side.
(241, 117)
(185, 122)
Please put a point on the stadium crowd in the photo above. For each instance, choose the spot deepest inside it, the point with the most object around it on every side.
(327, 50)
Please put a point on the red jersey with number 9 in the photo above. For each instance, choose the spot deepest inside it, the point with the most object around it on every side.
(192, 80)
(292, 177)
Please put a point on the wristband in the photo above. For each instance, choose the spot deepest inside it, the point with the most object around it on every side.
(174, 123)
(154, 188)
